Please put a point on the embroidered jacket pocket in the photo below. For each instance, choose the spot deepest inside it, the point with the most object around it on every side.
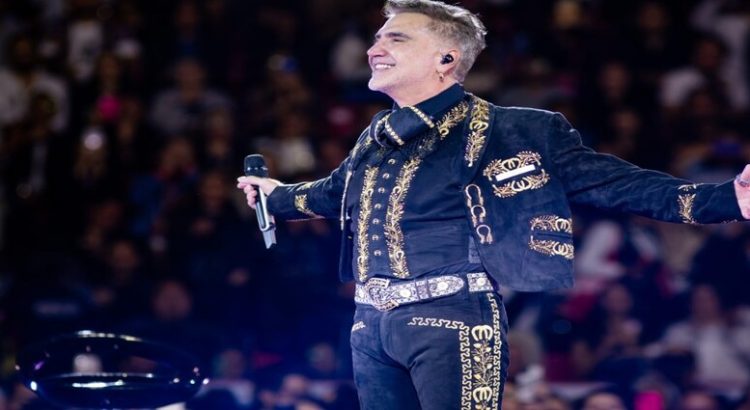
(519, 173)
(552, 235)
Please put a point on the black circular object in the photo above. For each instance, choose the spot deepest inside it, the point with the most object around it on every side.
(43, 369)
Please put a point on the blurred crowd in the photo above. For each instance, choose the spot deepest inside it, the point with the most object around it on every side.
(123, 124)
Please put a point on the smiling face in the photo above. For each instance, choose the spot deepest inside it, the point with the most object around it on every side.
(405, 60)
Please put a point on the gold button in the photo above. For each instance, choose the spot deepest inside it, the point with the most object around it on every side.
(376, 221)
(378, 206)
(386, 175)
(375, 237)
(391, 161)
(377, 253)
(381, 190)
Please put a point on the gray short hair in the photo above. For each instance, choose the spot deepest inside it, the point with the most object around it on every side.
(454, 23)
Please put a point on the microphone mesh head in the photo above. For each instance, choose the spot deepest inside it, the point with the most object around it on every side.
(255, 165)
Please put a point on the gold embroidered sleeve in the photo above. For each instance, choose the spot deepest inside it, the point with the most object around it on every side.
(300, 202)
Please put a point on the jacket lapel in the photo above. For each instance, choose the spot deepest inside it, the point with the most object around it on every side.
(476, 136)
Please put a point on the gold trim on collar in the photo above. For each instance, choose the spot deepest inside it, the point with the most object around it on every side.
(392, 132)
(422, 116)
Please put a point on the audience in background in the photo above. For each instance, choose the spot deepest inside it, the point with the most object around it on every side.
(123, 122)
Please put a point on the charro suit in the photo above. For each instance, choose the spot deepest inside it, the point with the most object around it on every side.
(511, 175)
(526, 167)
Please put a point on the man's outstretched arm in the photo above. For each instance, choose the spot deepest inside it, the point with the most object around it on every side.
(609, 182)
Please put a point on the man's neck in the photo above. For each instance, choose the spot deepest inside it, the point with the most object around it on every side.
(423, 94)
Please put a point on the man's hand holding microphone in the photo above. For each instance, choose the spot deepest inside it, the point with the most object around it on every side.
(257, 186)
(249, 184)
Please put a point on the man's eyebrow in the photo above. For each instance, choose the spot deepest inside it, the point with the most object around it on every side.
(393, 34)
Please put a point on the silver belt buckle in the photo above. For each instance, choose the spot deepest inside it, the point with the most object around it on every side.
(377, 290)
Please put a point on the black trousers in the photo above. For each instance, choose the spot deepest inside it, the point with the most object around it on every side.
(444, 354)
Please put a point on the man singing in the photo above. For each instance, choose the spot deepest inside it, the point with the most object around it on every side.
(447, 197)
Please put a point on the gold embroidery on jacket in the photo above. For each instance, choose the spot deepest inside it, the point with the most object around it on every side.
(449, 120)
(358, 326)
(513, 187)
(685, 202)
(396, 202)
(480, 116)
(686, 208)
(552, 223)
(393, 234)
(365, 209)
(357, 150)
(362, 146)
(485, 234)
(453, 117)
(552, 248)
(478, 213)
(300, 202)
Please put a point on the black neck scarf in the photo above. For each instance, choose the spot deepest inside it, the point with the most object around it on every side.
(396, 127)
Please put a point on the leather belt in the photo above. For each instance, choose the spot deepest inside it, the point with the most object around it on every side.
(384, 296)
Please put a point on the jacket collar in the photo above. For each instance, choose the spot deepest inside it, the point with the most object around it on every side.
(393, 128)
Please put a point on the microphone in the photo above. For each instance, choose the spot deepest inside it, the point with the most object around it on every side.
(255, 166)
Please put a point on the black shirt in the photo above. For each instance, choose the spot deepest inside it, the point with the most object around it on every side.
(409, 218)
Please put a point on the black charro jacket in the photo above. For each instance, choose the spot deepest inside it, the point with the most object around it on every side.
(523, 168)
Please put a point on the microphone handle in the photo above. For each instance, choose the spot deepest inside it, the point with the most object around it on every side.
(261, 211)
(265, 223)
